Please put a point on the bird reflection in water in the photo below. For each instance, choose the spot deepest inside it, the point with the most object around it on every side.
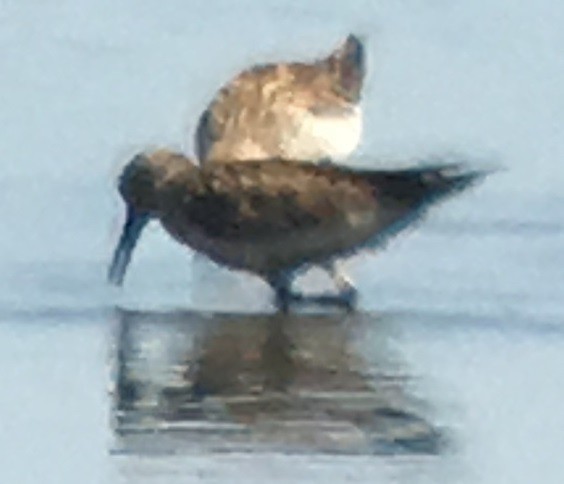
(284, 382)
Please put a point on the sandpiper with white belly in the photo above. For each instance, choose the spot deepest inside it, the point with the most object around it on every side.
(297, 111)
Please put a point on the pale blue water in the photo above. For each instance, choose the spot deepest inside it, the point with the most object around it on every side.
(470, 305)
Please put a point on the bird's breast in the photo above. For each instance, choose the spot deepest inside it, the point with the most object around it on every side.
(323, 134)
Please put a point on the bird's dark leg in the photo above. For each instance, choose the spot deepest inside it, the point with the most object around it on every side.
(283, 295)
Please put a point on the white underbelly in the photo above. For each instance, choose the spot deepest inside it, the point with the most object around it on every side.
(324, 136)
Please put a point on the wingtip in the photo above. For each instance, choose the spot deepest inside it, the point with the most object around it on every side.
(472, 170)
(459, 177)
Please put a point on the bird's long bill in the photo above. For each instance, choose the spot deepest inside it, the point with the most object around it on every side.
(132, 228)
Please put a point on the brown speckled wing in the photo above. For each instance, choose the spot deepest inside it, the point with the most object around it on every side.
(250, 201)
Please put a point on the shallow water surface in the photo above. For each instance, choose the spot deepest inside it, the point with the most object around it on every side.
(178, 396)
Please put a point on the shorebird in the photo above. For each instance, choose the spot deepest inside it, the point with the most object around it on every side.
(274, 218)
(297, 111)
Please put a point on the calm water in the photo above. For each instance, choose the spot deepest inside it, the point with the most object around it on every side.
(451, 371)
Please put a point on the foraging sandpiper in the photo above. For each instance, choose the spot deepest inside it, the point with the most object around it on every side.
(275, 217)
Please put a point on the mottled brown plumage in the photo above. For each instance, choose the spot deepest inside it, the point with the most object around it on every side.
(304, 111)
(274, 217)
